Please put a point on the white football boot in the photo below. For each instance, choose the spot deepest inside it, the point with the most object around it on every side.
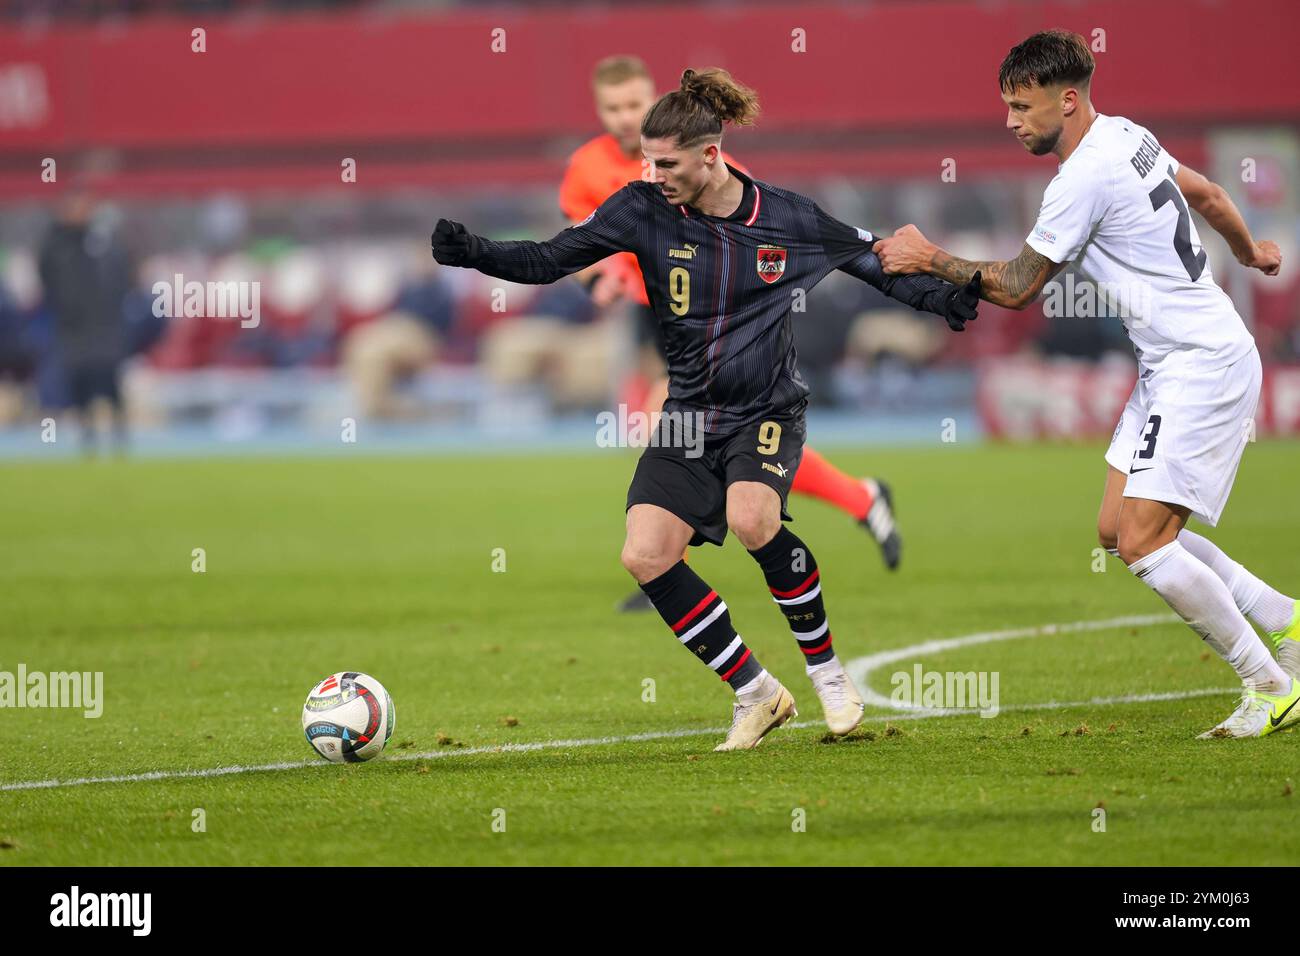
(751, 722)
(1259, 714)
(841, 702)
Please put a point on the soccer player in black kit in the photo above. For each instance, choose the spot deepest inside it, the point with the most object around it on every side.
(725, 257)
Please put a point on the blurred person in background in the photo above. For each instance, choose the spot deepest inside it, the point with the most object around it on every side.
(86, 275)
(394, 330)
(382, 357)
(624, 91)
(561, 341)
(17, 357)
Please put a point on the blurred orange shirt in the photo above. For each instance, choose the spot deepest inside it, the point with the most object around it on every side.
(596, 171)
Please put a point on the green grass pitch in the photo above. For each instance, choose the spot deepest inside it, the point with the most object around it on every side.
(385, 565)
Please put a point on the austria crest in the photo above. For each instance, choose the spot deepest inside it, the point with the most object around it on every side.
(771, 263)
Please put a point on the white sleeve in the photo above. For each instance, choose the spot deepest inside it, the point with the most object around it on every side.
(1072, 207)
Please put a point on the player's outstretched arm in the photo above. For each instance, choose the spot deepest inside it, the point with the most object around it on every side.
(1012, 283)
(1217, 208)
(606, 231)
(850, 250)
(958, 303)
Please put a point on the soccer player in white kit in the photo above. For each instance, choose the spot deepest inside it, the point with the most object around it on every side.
(1118, 209)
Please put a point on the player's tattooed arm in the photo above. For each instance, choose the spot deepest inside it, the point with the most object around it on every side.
(1012, 283)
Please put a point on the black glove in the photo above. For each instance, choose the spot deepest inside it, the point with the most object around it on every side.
(960, 306)
(452, 245)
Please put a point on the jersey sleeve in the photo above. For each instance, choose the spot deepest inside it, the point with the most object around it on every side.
(609, 229)
(849, 249)
(1072, 208)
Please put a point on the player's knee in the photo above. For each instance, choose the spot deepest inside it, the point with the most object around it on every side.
(645, 563)
(1134, 544)
(753, 527)
(1108, 535)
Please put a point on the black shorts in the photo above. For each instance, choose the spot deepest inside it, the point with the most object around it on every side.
(693, 485)
(88, 381)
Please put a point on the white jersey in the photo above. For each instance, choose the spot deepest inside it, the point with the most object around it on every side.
(1115, 210)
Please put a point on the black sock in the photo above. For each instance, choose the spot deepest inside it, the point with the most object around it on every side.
(796, 587)
(701, 621)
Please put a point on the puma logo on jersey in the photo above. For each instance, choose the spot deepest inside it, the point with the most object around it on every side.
(777, 469)
(685, 253)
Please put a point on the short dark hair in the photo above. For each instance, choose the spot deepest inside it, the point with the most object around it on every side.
(1046, 59)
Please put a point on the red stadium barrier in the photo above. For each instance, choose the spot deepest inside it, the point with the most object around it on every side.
(420, 98)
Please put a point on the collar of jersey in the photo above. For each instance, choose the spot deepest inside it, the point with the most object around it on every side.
(747, 212)
(1083, 139)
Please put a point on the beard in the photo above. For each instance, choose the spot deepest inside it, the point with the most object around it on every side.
(1042, 145)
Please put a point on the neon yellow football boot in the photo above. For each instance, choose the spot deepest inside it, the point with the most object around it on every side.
(1287, 642)
(1259, 714)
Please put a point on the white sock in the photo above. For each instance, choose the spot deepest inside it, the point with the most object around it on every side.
(1202, 600)
(1269, 609)
(751, 691)
(814, 668)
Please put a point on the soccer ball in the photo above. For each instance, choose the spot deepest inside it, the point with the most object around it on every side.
(348, 717)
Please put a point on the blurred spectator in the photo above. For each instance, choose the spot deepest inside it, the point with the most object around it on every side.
(16, 358)
(381, 357)
(86, 274)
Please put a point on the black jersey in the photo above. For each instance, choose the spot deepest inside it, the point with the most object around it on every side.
(723, 288)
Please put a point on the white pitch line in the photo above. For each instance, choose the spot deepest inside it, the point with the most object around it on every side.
(860, 665)
(860, 668)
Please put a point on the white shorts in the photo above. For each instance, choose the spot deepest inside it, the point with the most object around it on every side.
(1183, 431)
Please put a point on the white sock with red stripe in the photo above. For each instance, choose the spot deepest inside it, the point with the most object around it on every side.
(756, 689)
